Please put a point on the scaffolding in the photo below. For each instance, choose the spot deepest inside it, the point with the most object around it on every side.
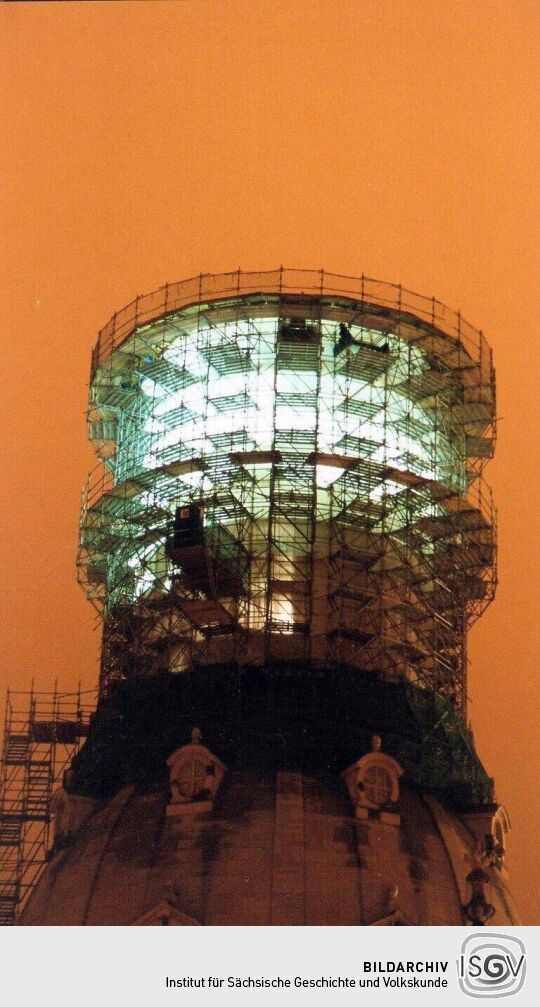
(331, 434)
(42, 733)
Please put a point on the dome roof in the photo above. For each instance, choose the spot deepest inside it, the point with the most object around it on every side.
(276, 848)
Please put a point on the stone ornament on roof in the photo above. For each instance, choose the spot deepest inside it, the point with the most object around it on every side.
(500, 827)
(195, 774)
(490, 828)
(68, 813)
(478, 911)
(373, 784)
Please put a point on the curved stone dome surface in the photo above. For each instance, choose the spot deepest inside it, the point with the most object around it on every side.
(280, 848)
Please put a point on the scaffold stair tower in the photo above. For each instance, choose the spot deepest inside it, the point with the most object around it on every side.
(42, 733)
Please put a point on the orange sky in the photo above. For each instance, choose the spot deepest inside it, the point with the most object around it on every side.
(144, 142)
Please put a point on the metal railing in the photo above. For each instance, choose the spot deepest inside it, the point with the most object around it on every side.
(209, 288)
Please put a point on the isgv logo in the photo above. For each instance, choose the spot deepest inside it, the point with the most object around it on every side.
(491, 965)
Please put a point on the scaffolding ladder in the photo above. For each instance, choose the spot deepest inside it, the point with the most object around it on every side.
(42, 733)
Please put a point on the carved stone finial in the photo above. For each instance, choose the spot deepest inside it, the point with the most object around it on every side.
(491, 852)
(478, 910)
(376, 743)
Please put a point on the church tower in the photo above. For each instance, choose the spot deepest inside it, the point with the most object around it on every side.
(287, 535)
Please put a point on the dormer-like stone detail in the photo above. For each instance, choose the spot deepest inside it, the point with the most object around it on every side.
(500, 827)
(165, 914)
(373, 785)
(397, 918)
(194, 777)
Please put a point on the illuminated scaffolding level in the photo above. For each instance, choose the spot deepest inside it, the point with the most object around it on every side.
(290, 471)
(42, 733)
